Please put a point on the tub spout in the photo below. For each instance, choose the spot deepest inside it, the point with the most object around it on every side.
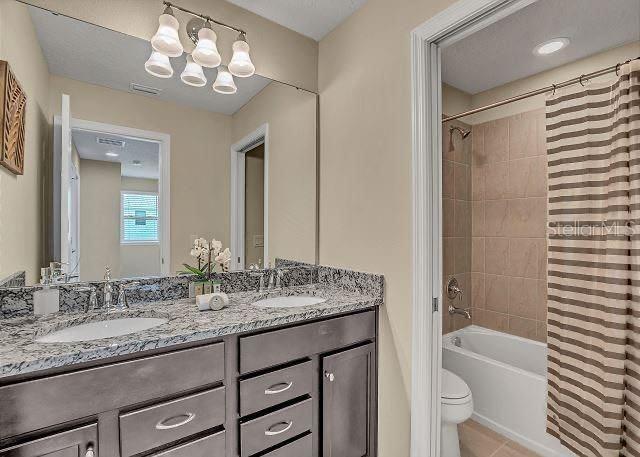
(461, 311)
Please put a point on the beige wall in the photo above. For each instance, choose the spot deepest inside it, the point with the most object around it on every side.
(21, 207)
(547, 78)
(200, 142)
(365, 179)
(277, 52)
(509, 193)
(291, 115)
(254, 205)
(99, 219)
(139, 260)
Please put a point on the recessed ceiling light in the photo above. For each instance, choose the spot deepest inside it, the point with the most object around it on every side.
(136, 163)
(111, 154)
(551, 46)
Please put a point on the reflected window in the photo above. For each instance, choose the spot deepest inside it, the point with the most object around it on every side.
(139, 215)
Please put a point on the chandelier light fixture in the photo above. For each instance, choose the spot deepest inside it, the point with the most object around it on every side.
(166, 43)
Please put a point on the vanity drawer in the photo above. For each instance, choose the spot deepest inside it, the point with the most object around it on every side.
(272, 429)
(299, 448)
(281, 346)
(209, 446)
(275, 387)
(32, 405)
(160, 424)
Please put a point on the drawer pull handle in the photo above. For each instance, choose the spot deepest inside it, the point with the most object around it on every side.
(272, 391)
(270, 432)
(188, 417)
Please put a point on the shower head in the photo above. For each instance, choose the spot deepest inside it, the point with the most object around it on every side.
(463, 132)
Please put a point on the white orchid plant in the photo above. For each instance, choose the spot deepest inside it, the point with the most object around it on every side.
(209, 256)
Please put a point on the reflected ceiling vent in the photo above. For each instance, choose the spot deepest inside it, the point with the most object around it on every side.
(144, 89)
(111, 142)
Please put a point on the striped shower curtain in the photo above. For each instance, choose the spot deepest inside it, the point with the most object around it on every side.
(593, 147)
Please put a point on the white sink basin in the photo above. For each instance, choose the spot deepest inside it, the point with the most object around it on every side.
(101, 329)
(288, 302)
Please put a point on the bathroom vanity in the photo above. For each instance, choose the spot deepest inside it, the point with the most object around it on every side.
(245, 381)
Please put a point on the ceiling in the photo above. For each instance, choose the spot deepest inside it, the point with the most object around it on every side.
(503, 52)
(312, 18)
(86, 52)
(146, 152)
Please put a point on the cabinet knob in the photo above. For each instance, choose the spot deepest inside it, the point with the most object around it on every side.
(89, 452)
(329, 376)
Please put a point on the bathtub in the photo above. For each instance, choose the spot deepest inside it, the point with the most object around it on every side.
(507, 378)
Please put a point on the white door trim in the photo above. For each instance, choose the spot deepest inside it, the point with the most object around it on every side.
(164, 183)
(253, 139)
(459, 20)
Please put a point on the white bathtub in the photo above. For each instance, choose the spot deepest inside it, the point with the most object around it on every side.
(507, 378)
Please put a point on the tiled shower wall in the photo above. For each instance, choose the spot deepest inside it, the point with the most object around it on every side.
(456, 213)
(508, 225)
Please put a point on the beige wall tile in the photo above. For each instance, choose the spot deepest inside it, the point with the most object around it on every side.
(541, 332)
(524, 297)
(478, 218)
(523, 257)
(523, 138)
(477, 290)
(448, 256)
(541, 314)
(448, 217)
(477, 254)
(527, 177)
(496, 141)
(496, 293)
(462, 248)
(462, 179)
(526, 328)
(477, 145)
(496, 181)
(496, 255)
(462, 218)
(526, 217)
(448, 184)
(477, 182)
(493, 320)
(496, 218)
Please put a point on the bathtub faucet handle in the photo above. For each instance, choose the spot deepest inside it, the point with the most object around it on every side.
(454, 290)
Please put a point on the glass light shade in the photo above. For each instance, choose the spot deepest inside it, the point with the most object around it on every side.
(159, 65)
(206, 52)
(224, 83)
(193, 74)
(241, 64)
(166, 39)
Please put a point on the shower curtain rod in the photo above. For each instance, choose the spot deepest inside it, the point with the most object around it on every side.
(543, 90)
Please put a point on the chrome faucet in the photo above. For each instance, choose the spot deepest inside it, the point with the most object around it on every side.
(274, 281)
(108, 290)
(279, 275)
(123, 302)
(455, 291)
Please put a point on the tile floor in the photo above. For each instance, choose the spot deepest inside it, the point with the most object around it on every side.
(479, 441)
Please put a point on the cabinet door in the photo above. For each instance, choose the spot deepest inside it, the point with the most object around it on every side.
(348, 403)
(78, 442)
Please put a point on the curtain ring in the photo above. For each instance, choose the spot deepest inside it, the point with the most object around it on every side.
(554, 89)
(618, 69)
(581, 83)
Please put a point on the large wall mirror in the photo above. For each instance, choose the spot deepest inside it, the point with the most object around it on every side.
(136, 167)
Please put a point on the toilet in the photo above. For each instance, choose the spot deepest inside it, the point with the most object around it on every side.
(457, 407)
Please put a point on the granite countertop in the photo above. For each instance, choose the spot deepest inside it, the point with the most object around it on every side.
(20, 354)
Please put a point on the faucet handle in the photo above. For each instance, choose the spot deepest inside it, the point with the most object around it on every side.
(107, 273)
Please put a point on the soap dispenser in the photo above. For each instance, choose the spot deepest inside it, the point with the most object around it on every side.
(47, 299)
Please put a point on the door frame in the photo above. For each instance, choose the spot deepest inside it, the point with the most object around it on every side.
(164, 183)
(447, 27)
(256, 138)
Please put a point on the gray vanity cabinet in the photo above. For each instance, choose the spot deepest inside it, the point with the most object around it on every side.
(347, 403)
(78, 442)
(301, 390)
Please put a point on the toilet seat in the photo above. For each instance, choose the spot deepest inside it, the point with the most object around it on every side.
(454, 390)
